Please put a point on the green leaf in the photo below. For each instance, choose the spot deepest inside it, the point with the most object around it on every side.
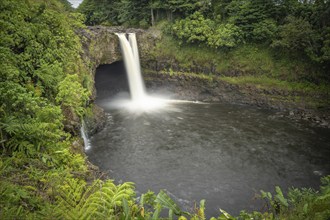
(280, 198)
(157, 212)
(265, 195)
(142, 200)
(126, 209)
(164, 200)
(305, 209)
(170, 214)
(225, 215)
(279, 191)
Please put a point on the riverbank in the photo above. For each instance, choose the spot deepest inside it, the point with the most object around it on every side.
(306, 104)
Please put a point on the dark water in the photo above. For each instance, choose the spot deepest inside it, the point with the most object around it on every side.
(219, 152)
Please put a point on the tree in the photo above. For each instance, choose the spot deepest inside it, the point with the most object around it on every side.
(297, 35)
(249, 15)
(200, 30)
(187, 7)
(284, 8)
(97, 11)
(38, 48)
(225, 35)
(220, 10)
(193, 29)
(264, 31)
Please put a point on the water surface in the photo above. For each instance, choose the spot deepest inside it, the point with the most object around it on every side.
(219, 152)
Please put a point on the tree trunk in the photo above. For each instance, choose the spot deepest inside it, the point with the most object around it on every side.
(152, 17)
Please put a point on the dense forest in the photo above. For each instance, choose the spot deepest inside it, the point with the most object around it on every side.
(298, 28)
(46, 86)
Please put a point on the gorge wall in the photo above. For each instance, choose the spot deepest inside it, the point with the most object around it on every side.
(101, 45)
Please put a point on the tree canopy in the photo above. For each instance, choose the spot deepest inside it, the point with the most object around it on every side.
(301, 28)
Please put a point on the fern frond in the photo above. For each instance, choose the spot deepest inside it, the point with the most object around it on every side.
(77, 200)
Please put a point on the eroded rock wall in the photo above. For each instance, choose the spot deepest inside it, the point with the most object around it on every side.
(101, 45)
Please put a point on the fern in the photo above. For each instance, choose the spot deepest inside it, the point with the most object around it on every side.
(101, 200)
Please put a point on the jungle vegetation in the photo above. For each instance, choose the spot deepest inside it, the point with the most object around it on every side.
(290, 30)
(45, 84)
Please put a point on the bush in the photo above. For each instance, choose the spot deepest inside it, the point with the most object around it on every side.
(225, 35)
(295, 35)
(264, 31)
(200, 30)
(194, 29)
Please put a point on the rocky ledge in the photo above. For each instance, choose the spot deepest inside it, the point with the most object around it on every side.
(195, 88)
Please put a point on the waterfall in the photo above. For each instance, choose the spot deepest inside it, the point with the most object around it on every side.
(133, 43)
(87, 144)
(132, 63)
(140, 101)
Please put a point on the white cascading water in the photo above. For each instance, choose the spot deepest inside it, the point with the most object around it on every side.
(87, 144)
(132, 64)
(134, 46)
(140, 100)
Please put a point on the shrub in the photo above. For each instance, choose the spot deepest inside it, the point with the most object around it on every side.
(200, 30)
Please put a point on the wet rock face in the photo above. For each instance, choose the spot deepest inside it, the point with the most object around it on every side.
(96, 121)
(101, 45)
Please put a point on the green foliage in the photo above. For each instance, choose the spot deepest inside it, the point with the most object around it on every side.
(253, 18)
(247, 59)
(165, 201)
(42, 75)
(138, 13)
(296, 34)
(123, 12)
(101, 200)
(197, 29)
(93, 12)
(151, 206)
(264, 30)
(225, 35)
(39, 75)
(40, 48)
(297, 29)
(186, 7)
(72, 94)
(264, 82)
(301, 203)
(33, 135)
(295, 91)
(325, 50)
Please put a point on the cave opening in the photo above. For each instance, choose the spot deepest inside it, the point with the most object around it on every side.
(111, 81)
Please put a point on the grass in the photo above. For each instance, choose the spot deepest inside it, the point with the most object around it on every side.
(247, 65)
(290, 92)
(186, 56)
(265, 82)
(247, 59)
(193, 75)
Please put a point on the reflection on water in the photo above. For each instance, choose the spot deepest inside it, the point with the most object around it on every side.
(219, 152)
